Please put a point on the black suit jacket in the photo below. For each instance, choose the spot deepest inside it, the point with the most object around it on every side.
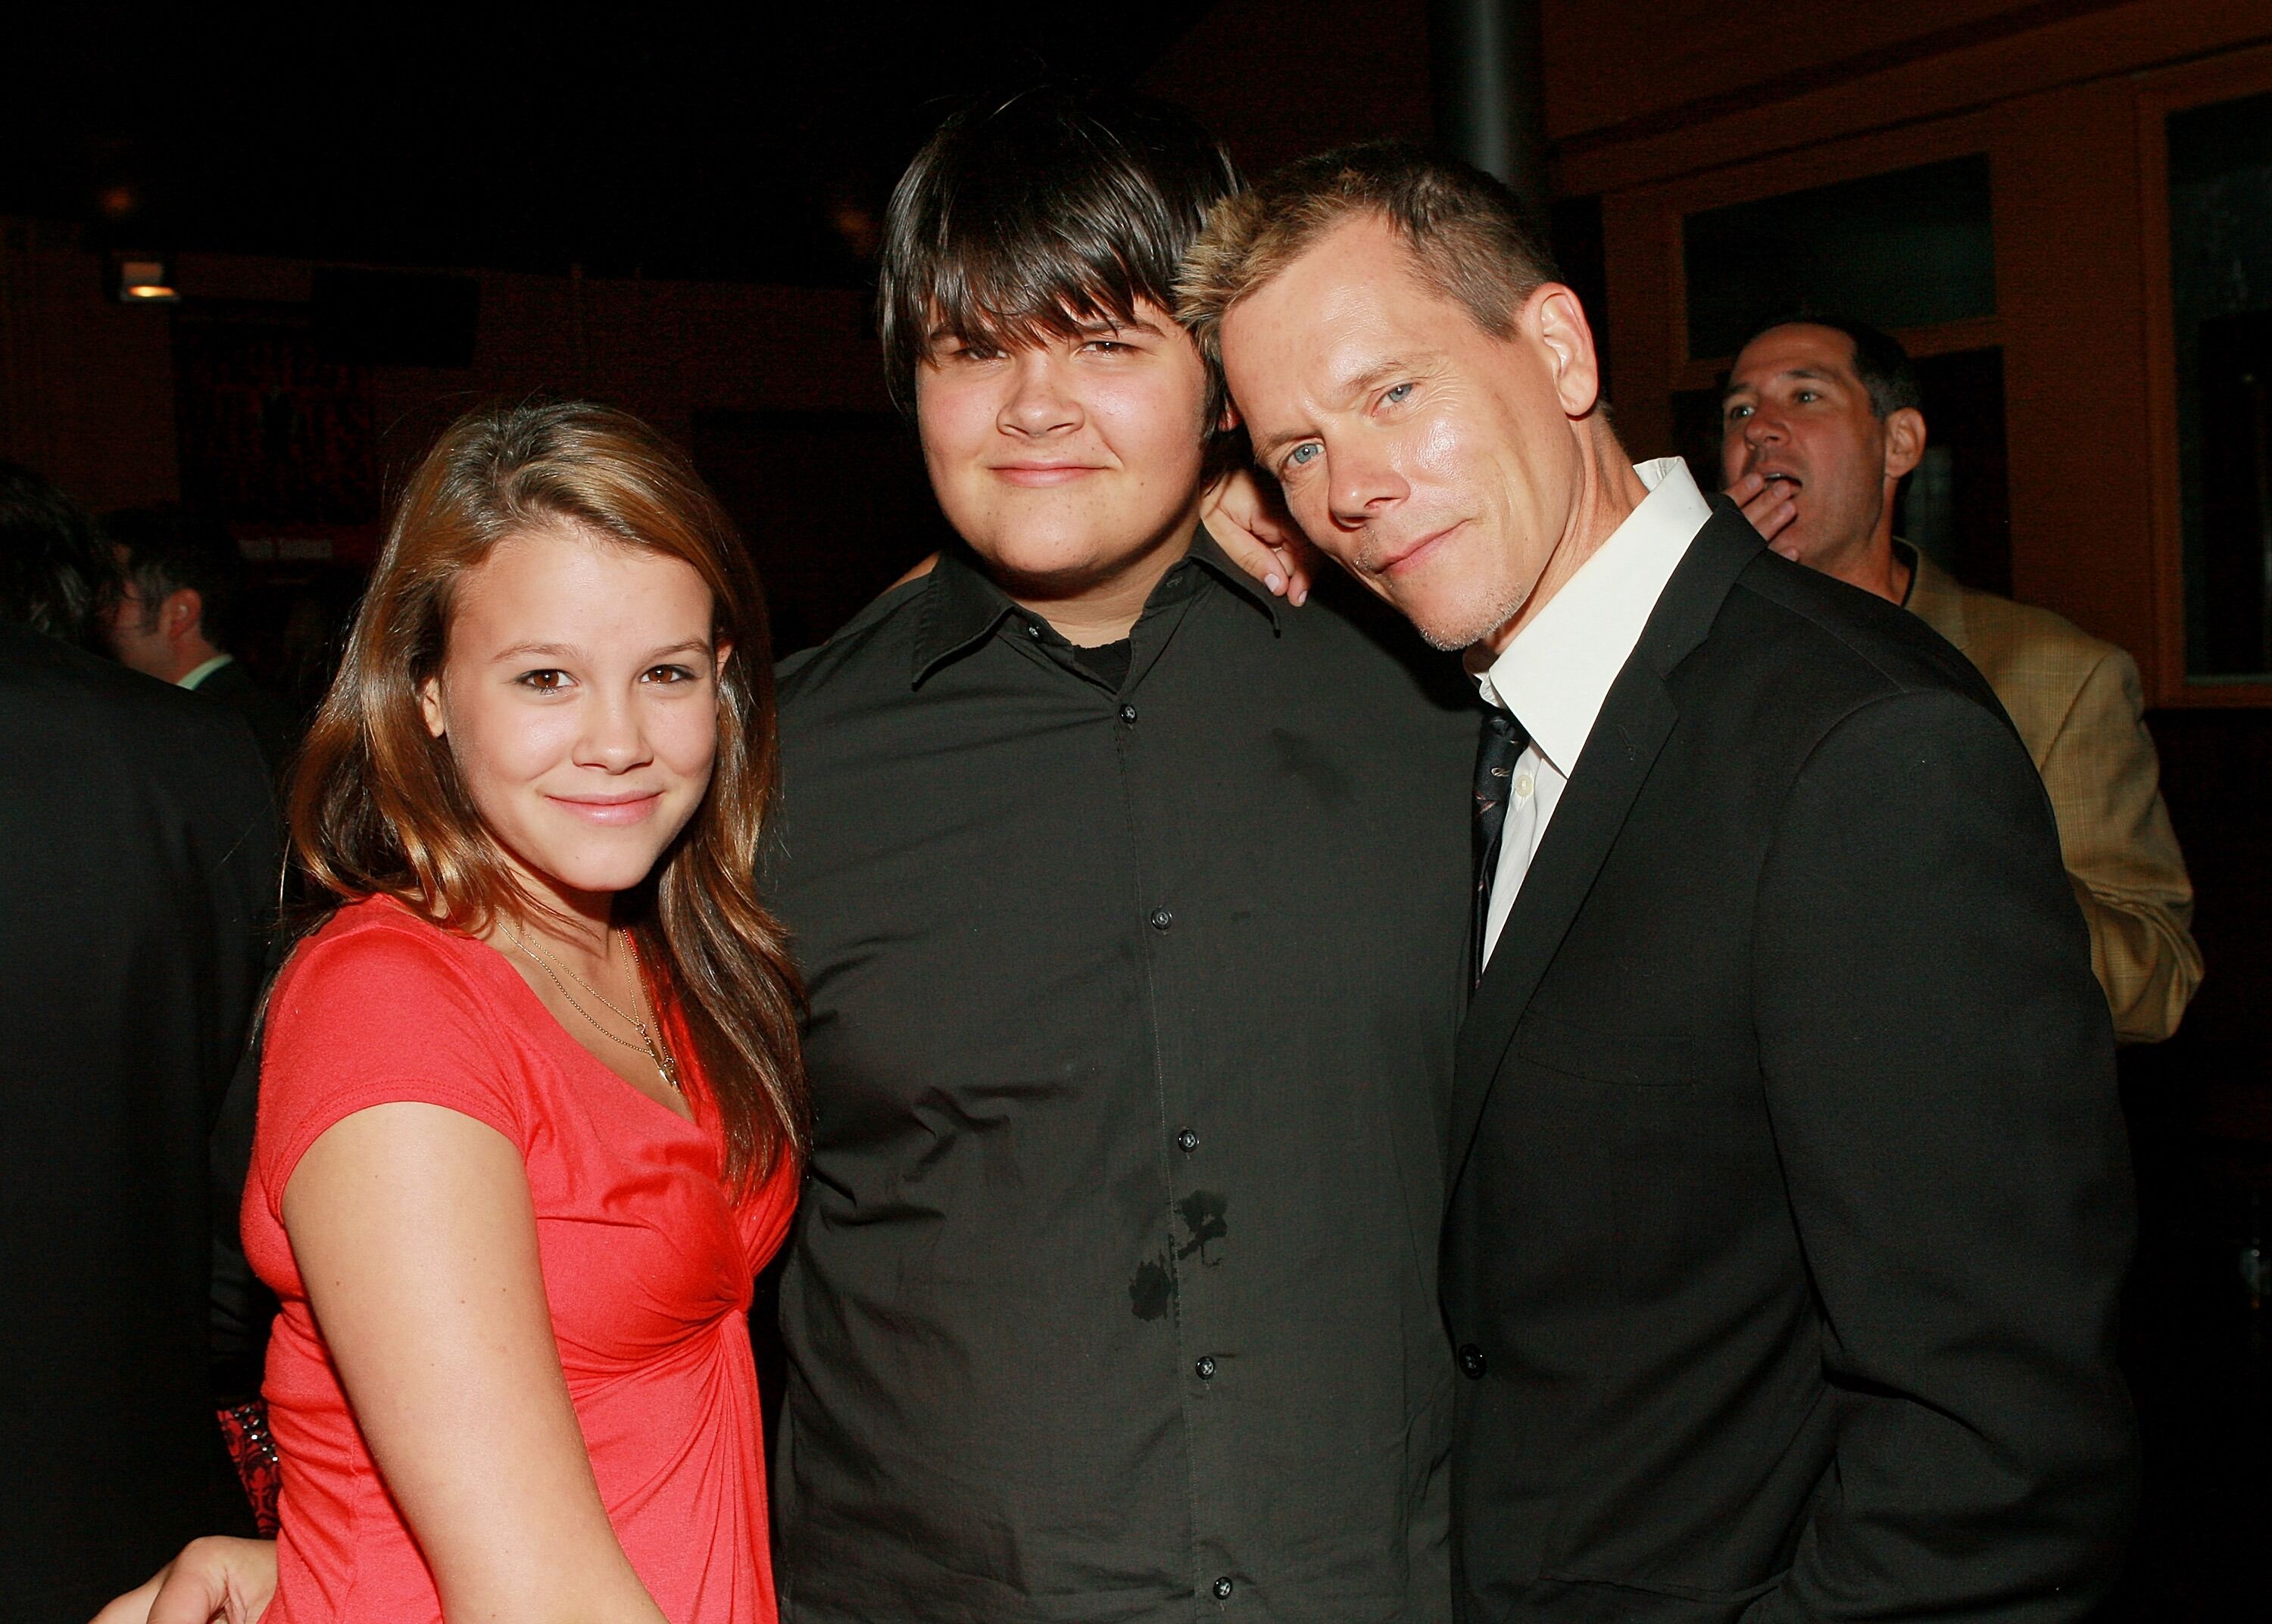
(1791, 1200)
(138, 858)
(275, 727)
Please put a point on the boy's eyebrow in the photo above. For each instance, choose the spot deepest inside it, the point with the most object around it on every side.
(1134, 323)
(942, 331)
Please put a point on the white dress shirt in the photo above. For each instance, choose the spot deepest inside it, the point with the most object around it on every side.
(1554, 676)
(193, 678)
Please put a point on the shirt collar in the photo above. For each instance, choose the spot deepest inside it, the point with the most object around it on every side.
(1205, 551)
(1556, 674)
(198, 676)
(962, 605)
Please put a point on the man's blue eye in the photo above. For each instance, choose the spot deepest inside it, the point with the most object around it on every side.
(1395, 395)
(1301, 454)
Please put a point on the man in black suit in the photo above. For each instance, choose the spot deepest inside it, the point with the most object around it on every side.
(174, 617)
(138, 858)
(1789, 1199)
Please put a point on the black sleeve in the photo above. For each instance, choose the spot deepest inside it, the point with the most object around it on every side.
(242, 1306)
(1940, 1076)
(243, 841)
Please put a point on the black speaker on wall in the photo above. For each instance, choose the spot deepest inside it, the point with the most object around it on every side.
(396, 318)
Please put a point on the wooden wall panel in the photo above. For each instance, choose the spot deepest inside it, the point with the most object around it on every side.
(1608, 65)
(2071, 45)
(2070, 295)
(1641, 246)
(87, 384)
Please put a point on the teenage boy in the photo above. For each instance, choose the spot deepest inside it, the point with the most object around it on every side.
(1133, 910)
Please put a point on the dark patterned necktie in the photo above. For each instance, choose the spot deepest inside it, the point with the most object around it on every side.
(1502, 741)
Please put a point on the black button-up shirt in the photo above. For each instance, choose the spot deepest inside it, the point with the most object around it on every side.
(1113, 1296)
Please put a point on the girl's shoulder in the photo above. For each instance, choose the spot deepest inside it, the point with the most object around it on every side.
(376, 955)
(381, 1005)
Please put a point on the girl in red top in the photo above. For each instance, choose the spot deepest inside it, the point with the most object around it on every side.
(530, 1106)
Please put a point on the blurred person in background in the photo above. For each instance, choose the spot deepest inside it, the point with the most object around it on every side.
(175, 617)
(1821, 419)
(138, 860)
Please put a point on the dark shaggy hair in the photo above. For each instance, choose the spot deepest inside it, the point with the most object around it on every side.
(56, 572)
(166, 548)
(1037, 215)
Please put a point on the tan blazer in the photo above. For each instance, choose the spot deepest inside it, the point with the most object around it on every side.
(2081, 711)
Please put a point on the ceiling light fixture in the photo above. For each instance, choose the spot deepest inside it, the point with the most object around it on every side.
(143, 279)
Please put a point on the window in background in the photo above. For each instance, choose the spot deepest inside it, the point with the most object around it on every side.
(1909, 248)
(2221, 298)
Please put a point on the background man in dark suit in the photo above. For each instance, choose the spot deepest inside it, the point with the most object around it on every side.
(175, 617)
(1790, 1201)
(138, 857)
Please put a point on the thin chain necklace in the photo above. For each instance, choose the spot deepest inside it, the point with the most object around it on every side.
(655, 1052)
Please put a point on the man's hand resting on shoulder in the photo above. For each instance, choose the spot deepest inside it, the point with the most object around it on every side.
(1243, 514)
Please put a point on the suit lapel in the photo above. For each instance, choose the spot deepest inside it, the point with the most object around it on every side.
(1635, 723)
(1636, 719)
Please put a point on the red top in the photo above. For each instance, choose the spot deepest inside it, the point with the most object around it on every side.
(647, 1269)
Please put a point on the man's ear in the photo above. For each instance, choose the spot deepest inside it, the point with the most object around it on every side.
(1558, 316)
(429, 701)
(1904, 442)
(181, 612)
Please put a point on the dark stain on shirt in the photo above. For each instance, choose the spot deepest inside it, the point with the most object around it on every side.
(1302, 760)
(1152, 1289)
(1202, 1212)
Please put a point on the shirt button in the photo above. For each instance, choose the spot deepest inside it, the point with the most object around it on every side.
(1128, 713)
(1187, 1141)
(1523, 785)
(1161, 918)
(1222, 1587)
(1032, 631)
(1206, 1366)
(1472, 1363)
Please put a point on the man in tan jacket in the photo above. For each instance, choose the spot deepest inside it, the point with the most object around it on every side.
(1820, 421)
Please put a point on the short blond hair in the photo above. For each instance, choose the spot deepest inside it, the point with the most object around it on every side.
(1466, 232)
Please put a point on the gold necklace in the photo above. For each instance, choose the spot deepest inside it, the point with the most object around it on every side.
(655, 1052)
